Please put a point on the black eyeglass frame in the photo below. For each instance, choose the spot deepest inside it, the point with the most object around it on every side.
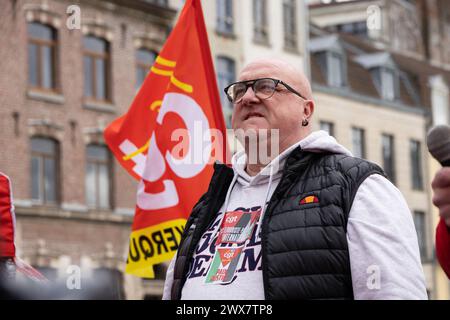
(251, 83)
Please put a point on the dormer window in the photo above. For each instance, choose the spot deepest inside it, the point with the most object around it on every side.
(384, 73)
(335, 69)
(388, 84)
(331, 57)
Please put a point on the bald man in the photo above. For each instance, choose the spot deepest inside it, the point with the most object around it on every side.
(309, 222)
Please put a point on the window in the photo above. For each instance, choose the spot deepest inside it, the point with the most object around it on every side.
(144, 61)
(419, 222)
(44, 170)
(388, 84)
(98, 175)
(41, 56)
(225, 75)
(328, 127)
(335, 70)
(162, 3)
(387, 142)
(358, 141)
(357, 28)
(96, 68)
(290, 24)
(260, 21)
(225, 16)
(416, 165)
(440, 100)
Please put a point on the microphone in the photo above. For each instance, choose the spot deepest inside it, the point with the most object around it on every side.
(438, 141)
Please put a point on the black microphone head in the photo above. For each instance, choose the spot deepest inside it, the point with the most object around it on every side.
(438, 141)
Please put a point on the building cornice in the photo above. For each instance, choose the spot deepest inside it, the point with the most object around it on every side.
(163, 12)
(103, 216)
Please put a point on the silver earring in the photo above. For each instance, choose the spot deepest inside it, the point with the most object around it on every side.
(305, 122)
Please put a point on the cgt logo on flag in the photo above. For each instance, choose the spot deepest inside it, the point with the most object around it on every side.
(168, 140)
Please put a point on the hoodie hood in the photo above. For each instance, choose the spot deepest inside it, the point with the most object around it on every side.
(317, 141)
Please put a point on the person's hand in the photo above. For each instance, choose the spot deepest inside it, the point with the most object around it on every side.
(441, 190)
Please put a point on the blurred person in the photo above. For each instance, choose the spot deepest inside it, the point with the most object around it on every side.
(7, 227)
(441, 199)
(12, 268)
(19, 280)
(333, 227)
(7, 276)
(7, 248)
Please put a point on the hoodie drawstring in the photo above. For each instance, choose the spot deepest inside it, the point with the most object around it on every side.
(263, 206)
(227, 199)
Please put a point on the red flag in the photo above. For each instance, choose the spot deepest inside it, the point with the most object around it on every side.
(168, 140)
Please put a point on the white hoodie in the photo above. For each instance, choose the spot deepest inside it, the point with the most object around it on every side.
(382, 242)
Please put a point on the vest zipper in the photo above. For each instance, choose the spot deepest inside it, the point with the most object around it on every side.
(264, 223)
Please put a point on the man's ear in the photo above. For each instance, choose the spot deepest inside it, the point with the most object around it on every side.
(308, 108)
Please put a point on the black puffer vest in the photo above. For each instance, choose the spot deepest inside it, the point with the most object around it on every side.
(304, 246)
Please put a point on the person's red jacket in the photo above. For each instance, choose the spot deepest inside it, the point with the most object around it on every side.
(7, 230)
(443, 246)
(7, 248)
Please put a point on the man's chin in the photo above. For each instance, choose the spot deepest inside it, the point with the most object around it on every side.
(254, 129)
(254, 124)
(251, 130)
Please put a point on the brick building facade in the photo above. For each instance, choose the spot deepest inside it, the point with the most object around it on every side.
(59, 88)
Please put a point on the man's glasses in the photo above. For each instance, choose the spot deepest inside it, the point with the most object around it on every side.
(263, 88)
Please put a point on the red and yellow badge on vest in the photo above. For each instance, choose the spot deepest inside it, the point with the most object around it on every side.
(309, 199)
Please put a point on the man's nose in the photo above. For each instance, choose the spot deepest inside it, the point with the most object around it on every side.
(249, 96)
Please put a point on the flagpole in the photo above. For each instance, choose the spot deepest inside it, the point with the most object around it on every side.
(211, 74)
